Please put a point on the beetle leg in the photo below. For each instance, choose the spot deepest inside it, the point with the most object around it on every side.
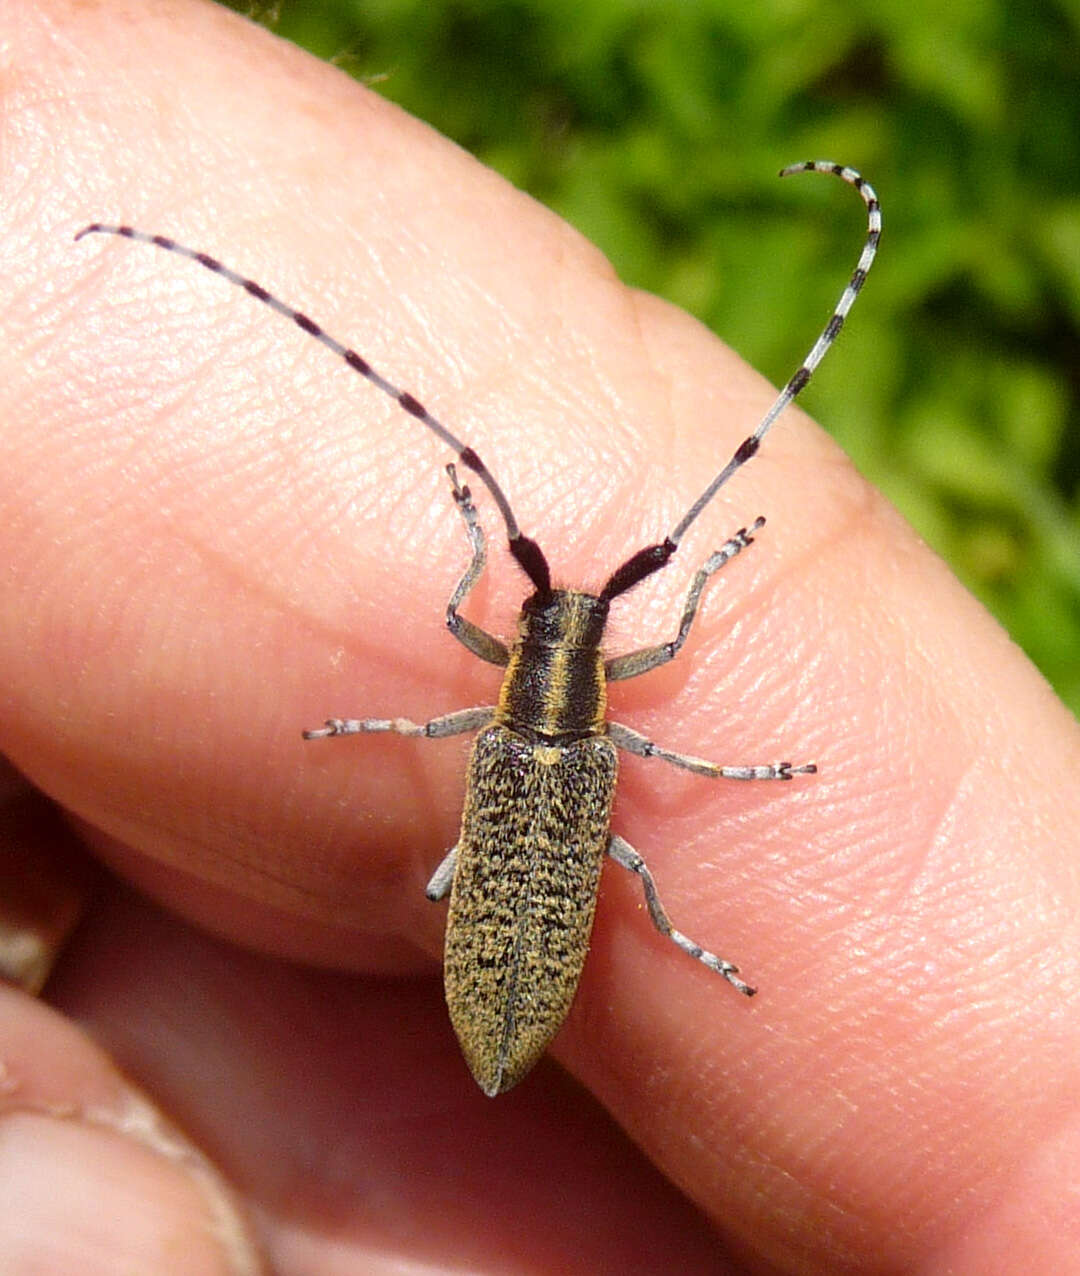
(637, 662)
(623, 853)
(456, 723)
(634, 742)
(478, 640)
(443, 877)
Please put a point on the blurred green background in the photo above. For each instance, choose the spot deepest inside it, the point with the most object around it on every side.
(658, 128)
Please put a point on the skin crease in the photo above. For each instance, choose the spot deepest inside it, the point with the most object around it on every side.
(215, 535)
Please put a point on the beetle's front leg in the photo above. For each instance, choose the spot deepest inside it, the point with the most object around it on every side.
(635, 663)
(470, 635)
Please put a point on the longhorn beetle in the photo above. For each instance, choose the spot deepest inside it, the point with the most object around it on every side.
(523, 875)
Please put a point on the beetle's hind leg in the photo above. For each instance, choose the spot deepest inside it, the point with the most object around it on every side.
(443, 877)
(623, 853)
(634, 742)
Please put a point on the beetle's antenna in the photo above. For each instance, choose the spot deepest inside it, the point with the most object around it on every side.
(526, 551)
(653, 557)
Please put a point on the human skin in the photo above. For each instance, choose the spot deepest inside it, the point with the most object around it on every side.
(215, 535)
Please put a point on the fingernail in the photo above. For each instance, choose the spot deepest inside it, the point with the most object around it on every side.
(83, 1198)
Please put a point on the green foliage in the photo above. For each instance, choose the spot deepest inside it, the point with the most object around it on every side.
(657, 129)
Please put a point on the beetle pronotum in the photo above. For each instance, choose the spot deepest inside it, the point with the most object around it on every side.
(523, 875)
